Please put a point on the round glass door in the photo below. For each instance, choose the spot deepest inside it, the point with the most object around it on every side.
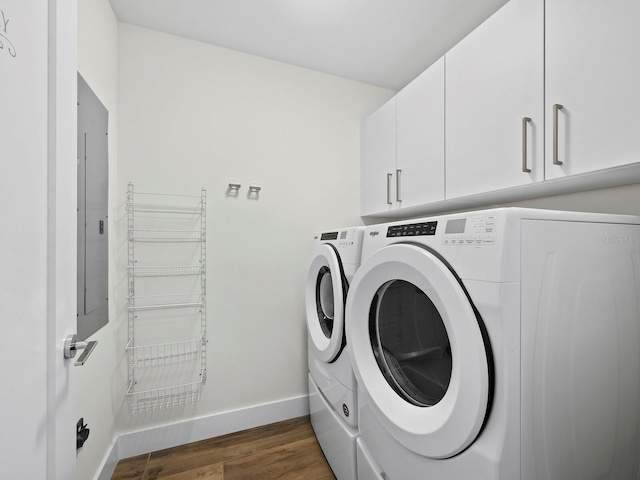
(325, 299)
(418, 350)
(410, 343)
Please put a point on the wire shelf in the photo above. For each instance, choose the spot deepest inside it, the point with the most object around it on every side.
(169, 300)
(166, 271)
(167, 195)
(150, 236)
(164, 208)
(147, 401)
(151, 365)
(165, 354)
(164, 306)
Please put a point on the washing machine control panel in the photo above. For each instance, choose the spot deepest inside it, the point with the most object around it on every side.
(345, 240)
(479, 230)
(412, 229)
(329, 236)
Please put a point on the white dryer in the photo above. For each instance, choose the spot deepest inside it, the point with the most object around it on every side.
(500, 344)
(332, 384)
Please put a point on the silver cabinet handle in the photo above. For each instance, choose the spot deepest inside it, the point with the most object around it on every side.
(556, 108)
(398, 182)
(389, 202)
(525, 167)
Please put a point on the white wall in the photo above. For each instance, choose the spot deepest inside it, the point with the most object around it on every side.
(193, 115)
(97, 380)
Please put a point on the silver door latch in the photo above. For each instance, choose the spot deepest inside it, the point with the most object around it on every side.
(71, 347)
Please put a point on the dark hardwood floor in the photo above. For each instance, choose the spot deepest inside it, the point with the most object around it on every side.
(284, 450)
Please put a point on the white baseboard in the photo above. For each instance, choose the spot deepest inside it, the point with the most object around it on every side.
(109, 464)
(167, 436)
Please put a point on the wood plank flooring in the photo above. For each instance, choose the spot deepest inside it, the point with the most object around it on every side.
(285, 450)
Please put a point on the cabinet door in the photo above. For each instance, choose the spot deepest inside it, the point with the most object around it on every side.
(379, 160)
(593, 71)
(495, 80)
(420, 139)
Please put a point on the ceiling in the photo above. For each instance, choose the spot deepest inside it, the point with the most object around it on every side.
(386, 43)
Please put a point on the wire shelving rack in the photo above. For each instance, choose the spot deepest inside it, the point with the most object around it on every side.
(172, 372)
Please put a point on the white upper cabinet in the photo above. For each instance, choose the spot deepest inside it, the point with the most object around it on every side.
(379, 160)
(420, 139)
(593, 72)
(541, 99)
(494, 103)
(403, 147)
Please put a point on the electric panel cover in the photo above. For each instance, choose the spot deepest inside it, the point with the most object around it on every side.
(93, 188)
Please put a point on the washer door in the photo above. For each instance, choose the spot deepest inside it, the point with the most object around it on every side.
(418, 347)
(325, 301)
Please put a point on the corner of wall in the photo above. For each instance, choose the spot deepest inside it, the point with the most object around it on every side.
(159, 438)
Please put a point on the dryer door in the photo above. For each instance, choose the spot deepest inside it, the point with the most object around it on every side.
(325, 300)
(418, 347)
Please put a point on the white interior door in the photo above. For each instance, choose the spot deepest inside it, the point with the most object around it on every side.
(37, 239)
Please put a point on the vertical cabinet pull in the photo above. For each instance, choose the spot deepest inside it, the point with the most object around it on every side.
(389, 175)
(398, 181)
(556, 108)
(525, 167)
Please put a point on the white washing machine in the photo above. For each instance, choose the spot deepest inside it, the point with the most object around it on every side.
(332, 384)
(498, 344)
